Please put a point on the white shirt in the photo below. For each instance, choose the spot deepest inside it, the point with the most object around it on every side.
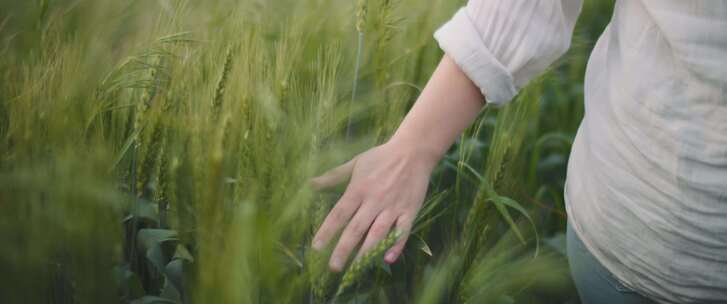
(647, 177)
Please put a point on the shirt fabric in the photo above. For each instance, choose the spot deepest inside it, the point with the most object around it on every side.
(646, 189)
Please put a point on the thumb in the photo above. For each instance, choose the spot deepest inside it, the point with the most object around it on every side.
(334, 176)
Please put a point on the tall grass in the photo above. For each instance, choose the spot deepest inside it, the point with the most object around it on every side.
(159, 152)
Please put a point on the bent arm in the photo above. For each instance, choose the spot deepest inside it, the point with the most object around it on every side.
(493, 48)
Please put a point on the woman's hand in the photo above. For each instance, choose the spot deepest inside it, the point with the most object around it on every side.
(389, 182)
(387, 186)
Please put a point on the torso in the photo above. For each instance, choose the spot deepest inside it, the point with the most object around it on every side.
(647, 180)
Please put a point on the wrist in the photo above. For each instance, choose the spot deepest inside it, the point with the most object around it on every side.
(420, 149)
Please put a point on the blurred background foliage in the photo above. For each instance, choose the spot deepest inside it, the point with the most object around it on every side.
(158, 152)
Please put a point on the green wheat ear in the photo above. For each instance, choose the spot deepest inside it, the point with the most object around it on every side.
(358, 267)
(220, 90)
(361, 10)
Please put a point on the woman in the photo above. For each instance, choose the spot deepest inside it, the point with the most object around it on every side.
(646, 189)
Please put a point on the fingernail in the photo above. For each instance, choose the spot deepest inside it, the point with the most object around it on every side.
(317, 245)
(390, 257)
(336, 264)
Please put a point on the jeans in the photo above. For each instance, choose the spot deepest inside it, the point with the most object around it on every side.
(595, 284)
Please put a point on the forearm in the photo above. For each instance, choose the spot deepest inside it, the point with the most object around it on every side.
(449, 103)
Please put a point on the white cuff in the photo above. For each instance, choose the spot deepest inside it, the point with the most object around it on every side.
(459, 39)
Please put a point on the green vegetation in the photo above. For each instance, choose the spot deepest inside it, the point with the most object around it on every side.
(159, 151)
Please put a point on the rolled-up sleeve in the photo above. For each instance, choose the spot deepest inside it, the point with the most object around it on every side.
(502, 44)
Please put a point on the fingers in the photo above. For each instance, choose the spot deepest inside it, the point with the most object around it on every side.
(339, 215)
(378, 231)
(404, 224)
(334, 176)
(351, 237)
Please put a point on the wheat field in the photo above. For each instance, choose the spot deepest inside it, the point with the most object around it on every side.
(159, 152)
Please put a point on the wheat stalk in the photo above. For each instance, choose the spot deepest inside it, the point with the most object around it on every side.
(143, 160)
(358, 267)
(319, 275)
(361, 10)
(163, 180)
(147, 169)
(500, 174)
(220, 91)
